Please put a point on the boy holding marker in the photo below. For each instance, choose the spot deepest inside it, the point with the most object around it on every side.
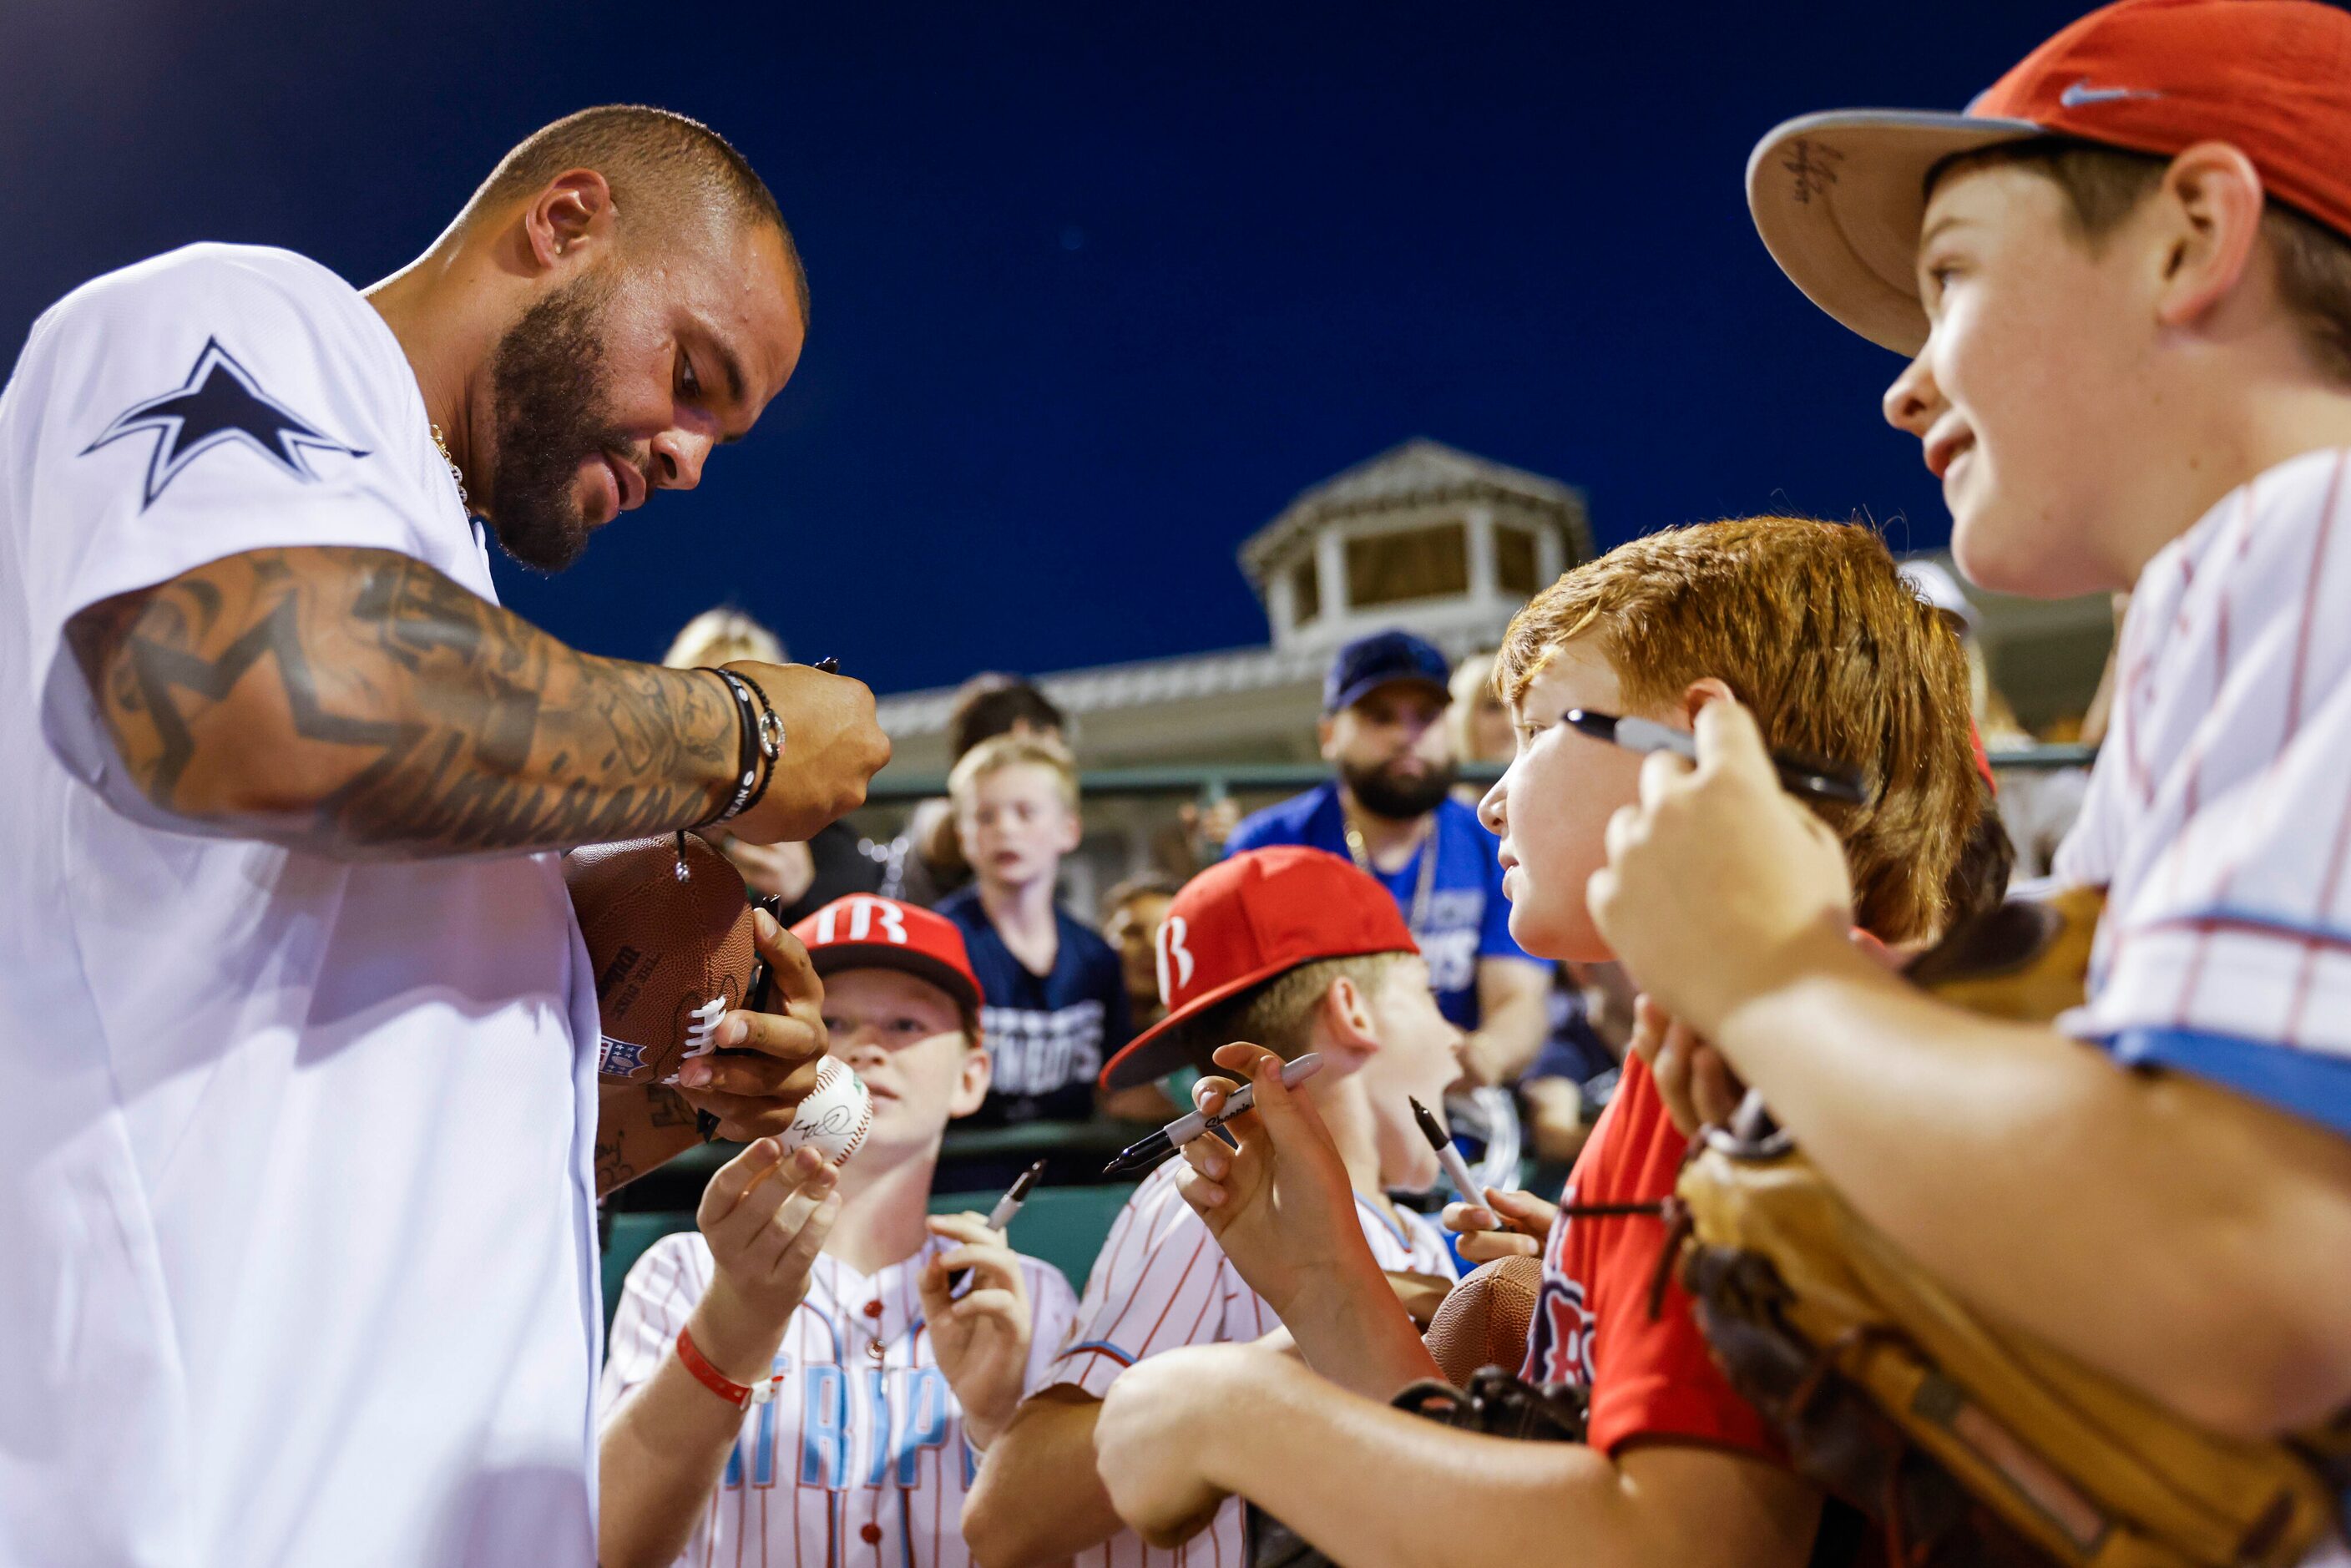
(1810, 622)
(1297, 948)
(810, 1376)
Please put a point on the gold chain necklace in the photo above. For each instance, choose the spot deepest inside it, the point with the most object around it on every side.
(442, 447)
(1417, 919)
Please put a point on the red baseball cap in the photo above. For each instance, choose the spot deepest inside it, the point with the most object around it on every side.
(1839, 197)
(864, 931)
(1248, 919)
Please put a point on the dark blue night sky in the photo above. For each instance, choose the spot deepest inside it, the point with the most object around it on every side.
(1097, 288)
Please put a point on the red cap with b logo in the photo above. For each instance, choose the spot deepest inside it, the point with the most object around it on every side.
(1246, 920)
(864, 931)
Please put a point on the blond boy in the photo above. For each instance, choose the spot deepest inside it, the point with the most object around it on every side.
(1056, 991)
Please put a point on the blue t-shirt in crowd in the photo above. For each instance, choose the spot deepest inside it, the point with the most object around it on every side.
(1468, 918)
(1047, 1035)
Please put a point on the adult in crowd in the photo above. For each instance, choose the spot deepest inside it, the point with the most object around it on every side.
(300, 1238)
(925, 862)
(1390, 809)
(803, 877)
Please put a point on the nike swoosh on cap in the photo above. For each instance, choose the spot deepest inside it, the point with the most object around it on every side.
(2081, 93)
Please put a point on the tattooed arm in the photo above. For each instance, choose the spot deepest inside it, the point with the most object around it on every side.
(359, 704)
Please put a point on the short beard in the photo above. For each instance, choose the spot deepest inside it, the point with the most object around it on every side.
(545, 374)
(1399, 799)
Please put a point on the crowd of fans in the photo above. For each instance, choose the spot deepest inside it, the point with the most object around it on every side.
(1544, 1041)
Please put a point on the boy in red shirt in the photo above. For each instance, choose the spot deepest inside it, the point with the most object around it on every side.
(1808, 625)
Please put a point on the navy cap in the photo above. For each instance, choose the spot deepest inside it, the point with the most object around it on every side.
(1380, 658)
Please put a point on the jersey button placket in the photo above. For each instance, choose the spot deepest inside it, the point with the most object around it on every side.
(870, 1533)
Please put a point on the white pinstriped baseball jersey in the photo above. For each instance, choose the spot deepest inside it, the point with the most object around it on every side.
(2219, 818)
(859, 1461)
(1160, 1284)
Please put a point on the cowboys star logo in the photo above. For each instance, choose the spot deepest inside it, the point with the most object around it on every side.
(219, 404)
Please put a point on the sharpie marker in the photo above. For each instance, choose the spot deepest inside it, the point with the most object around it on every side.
(1184, 1129)
(1799, 774)
(1464, 1179)
(1007, 1209)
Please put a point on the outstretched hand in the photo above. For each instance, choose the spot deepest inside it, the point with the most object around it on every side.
(981, 1337)
(1281, 1204)
(766, 1217)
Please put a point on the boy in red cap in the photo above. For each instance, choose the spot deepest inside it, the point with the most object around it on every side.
(802, 1374)
(1810, 621)
(1297, 948)
(2125, 276)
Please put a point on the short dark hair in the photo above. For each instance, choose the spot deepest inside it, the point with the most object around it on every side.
(655, 162)
(2104, 185)
(989, 705)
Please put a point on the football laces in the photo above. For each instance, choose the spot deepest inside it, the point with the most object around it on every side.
(699, 1034)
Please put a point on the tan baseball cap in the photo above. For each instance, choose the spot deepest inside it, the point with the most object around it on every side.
(1839, 197)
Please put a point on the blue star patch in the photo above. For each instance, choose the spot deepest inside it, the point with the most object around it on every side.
(220, 403)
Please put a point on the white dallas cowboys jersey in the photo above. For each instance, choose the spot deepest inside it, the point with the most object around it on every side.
(860, 1459)
(1161, 1282)
(2219, 818)
(297, 1245)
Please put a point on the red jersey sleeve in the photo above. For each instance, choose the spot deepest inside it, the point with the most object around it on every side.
(1650, 1377)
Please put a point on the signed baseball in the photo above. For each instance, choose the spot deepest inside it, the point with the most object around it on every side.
(834, 1118)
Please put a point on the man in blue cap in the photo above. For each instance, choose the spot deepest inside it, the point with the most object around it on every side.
(1391, 811)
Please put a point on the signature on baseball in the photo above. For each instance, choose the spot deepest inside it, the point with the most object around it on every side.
(837, 1118)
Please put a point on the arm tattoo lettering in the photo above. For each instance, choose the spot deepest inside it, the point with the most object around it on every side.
(361, 704)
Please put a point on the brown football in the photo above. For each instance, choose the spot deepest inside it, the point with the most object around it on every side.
(671, 954)
(1483, 1320)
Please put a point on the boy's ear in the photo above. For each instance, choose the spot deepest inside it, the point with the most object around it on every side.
(2211, 212)
(971, 1088)
(1702, 691)
(1345, 1016)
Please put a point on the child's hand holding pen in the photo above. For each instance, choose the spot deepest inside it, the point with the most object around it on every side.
(1280, 1204)
(1507, 1225)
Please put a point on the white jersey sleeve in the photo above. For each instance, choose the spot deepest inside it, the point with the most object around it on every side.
(216, 400)
(656, 1299)
(2219, 818)
(1160, 1282)
(1052, 1313)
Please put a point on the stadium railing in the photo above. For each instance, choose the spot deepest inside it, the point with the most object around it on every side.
(1213, 781)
